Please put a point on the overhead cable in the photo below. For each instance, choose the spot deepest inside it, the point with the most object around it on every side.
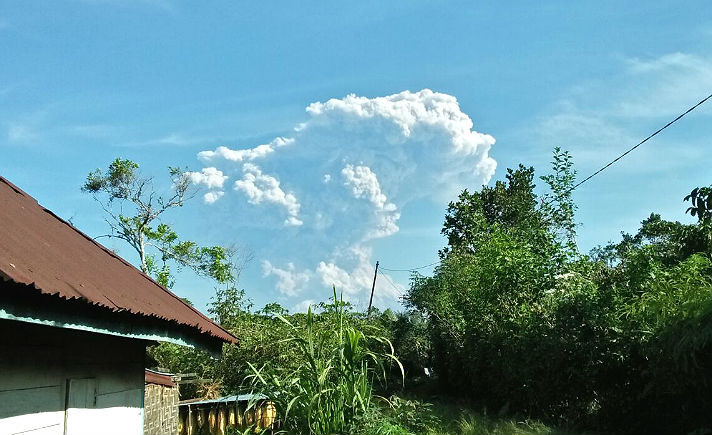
(641, 142)
(390, 282)
(411, 269)
(701, 102)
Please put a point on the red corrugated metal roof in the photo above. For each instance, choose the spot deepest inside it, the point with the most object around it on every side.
(40, 249)
(152, 377)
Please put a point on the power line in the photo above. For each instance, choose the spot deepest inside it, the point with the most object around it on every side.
(641, 142)
(389, 281)
(701, 102)
(411, 269)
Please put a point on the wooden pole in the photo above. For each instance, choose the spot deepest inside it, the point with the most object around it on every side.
(373, 287)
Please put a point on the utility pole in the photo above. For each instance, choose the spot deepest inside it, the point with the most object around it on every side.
(373, 287)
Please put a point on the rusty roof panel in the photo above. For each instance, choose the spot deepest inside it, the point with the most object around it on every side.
(153, 377)
(40, 249)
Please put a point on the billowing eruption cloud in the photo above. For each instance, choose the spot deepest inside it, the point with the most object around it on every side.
(341, 180)
(213, 179)
(261, 188)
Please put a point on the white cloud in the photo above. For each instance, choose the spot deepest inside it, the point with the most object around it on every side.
(358, 278)
(293, 221)
(211, 197)
(261, 188)
(598, 121)
(387, 151)
(290, 282)
(245, 154)
(212, 178)
(387, 224)
(411, 139)
(331, 274)
(303, 306)
(664, 86)
(364, 184)
(411, 114)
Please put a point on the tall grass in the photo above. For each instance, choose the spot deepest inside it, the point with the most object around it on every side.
(407, 416)
(331, 381)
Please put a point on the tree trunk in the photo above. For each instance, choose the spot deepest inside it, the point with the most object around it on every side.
(142, 253)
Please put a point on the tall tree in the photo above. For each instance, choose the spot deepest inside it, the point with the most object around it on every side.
(509, 204)
(134, 209)
(558, 205)
(507, 249)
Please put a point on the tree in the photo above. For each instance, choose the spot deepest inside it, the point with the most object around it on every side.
(558, 205)
(508, 204)
(512, 205)
(701, 199)
(134, 209)
(519, 320)
(508, 251)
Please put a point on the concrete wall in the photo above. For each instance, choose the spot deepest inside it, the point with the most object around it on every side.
(56, 381)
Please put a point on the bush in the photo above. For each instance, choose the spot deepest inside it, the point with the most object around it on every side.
(331, 383)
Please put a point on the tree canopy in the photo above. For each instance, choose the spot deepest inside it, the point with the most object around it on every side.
(133, 210)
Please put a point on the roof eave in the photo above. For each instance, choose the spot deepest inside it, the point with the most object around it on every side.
(31, 306)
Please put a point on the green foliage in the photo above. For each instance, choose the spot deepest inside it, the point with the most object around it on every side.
(260, 336)
(485, 302)
(514, 319)
(408, 331)
(412, 416)
(397, 415)
(415, 415)
(659, 382)
(510, 205)
(133, 209)
(558, 205)
(332, 381)
(665, 241)
(520, 321)
(701, 199)
(477, 424)
(273, 308)
(118, 181)
(229, 306)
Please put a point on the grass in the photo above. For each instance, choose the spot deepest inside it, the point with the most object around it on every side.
(440, 416)
(329, 388)
(331, 382)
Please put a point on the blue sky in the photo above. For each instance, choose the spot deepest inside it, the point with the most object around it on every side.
(358, 121)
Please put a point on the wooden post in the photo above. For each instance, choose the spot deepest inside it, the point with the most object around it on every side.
(373, 287)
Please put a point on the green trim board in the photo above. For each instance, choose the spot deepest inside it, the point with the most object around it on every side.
(107, 329)
(23, 304)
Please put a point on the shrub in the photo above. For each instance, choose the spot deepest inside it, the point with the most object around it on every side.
(331, 383)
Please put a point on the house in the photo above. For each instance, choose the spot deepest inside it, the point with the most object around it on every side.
(75, 320)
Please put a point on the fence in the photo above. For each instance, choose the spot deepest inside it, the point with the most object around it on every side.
(214, 417)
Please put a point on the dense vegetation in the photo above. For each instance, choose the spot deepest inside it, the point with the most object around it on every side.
(618, 340)
(514, 320)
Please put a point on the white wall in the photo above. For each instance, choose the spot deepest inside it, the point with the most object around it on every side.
(56, 381)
